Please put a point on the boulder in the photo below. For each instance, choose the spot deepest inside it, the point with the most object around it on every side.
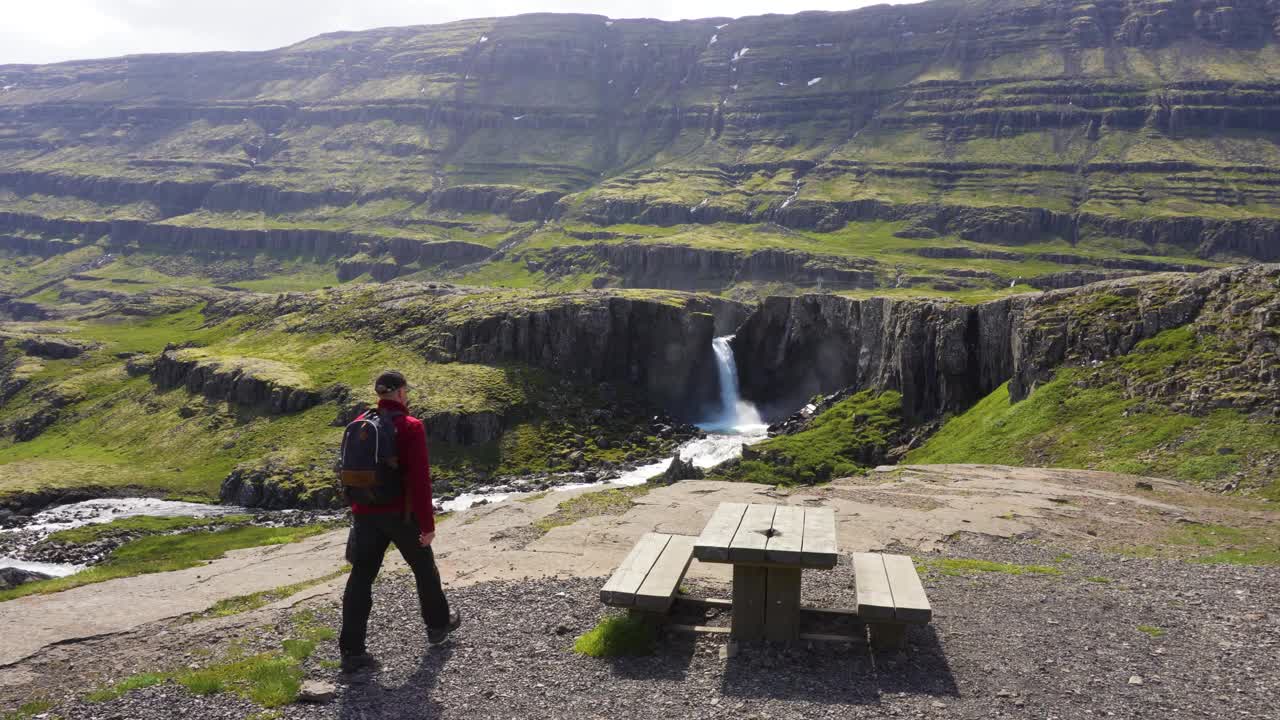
(52, 347)
(678, 470)
(11, 577)
(317, 692)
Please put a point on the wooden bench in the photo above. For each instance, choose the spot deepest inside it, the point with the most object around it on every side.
(651, 573)
(890, 597)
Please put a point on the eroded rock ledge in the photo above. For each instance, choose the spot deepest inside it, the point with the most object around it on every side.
(944, 356)
(248, 383)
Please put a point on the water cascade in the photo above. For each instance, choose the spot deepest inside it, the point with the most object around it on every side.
(736, 414)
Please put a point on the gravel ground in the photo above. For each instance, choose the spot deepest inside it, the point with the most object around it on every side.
(1001, 645)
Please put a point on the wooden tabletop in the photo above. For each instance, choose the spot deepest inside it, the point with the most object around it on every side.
(779, 535)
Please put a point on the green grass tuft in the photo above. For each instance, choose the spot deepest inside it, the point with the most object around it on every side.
(1152, 630)
(253, 601)
(133, 682)
(614, 501)
(617, 635)
(202, 682)
(299, 649)
(29, 709)
(966, 566)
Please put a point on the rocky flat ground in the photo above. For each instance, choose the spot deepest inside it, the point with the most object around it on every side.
(1157, 639)
(1097, 601)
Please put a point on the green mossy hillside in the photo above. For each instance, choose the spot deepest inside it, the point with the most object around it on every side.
(1089, 418)
(98, 420)
(853, 434)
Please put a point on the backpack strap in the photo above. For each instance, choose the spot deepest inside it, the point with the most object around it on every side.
(407, 510)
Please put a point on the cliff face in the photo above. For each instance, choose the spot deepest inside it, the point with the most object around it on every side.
(658, 344)
(662, 349)
(943, 357)
(996, 121)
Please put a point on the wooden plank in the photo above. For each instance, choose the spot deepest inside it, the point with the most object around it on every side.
(699, 629)
(875, 599)
(621, 588)
(713, 544)
(749, 585)
(782, 604)
(749, 542)
(909, 601)
(787, 541)
(820, 538)
(842, 612)
(658, 590)
(706, 602)
(827, 637)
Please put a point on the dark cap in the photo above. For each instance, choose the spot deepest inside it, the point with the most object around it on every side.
(388, 382)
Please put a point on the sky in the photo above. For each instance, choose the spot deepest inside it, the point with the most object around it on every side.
(44, 31)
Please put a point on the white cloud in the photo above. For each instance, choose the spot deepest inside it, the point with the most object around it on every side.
(38, 31)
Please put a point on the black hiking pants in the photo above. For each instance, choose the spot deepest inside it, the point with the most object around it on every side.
(370, 537)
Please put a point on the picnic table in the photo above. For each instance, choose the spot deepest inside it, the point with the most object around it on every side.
(769, 546)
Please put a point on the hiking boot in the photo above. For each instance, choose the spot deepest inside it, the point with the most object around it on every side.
(356, 663)
(435, 636)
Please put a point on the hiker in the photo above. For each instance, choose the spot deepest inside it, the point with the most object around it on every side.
(390, 497)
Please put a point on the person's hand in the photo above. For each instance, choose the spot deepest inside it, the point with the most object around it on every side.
(425, 538)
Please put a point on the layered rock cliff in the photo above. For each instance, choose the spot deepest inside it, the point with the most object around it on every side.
(657, 344)
(944, 356)
(1130, 127)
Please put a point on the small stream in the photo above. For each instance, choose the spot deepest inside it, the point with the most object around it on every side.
(736, 423)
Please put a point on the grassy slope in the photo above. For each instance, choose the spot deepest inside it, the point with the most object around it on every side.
(840, 441)
(117, 430)
(1083, 419)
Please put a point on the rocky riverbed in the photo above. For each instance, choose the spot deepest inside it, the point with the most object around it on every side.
(30, 542)
(1104, 636)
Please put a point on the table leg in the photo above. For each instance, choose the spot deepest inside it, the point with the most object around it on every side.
(782, 605)
(749, 586)
(888, 636)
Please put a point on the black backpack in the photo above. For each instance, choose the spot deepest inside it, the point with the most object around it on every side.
(369, 468)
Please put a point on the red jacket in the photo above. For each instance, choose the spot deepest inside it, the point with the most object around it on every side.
(411, 443)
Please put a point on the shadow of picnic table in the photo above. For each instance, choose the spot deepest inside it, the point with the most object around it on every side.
(840, 674)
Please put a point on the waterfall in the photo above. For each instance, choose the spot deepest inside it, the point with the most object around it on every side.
(737, 423)
(735, 413)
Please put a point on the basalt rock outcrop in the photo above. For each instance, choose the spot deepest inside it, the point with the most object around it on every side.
(247, 383)
(656, 343)
(683, 267)
(51, 347)
(272, 484)
(944, 356)
(663, 350)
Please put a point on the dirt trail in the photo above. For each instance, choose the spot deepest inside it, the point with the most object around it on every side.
(912, 507)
